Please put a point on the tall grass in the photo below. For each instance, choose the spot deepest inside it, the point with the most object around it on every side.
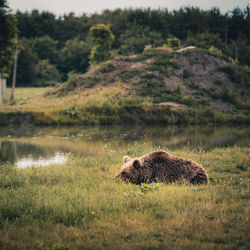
(79, 206)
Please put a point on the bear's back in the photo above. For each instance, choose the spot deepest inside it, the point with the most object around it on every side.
(168, 168)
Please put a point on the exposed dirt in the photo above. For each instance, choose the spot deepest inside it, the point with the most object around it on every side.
(172, 104)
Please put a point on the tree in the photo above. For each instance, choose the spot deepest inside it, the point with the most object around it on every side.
(239, 50)
(102, 38)
(45, 48)
(134, 40)
(8, 39)
(46, 73)
(74, 56)
(27, 60)
(37, 24)
(186, 20)
(205, 40)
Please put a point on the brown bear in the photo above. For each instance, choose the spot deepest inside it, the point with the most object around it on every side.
(160, 166)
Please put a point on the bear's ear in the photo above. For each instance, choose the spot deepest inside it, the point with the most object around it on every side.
(137, 163)
(126, 159)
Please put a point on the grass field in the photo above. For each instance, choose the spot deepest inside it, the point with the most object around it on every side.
(35, 100)
(23, 94)
(79, 206)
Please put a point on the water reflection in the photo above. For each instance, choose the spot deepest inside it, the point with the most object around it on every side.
(38, 145)
(29, 155)
(59, 158)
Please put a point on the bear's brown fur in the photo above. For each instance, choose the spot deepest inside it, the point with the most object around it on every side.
(160, 166)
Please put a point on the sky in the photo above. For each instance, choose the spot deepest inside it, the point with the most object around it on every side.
(60, 7)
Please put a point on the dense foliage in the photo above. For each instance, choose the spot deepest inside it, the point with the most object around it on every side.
(66, 43)
(8, 41)
(102, 38)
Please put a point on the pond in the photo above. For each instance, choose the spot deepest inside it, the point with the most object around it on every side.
(42, 146)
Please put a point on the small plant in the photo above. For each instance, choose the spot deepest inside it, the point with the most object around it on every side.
(242, 167)
(211, 91)
(173, 42)
(218, 82)
(106, 67)
(145, 188)
(228, 96)
(72, 80)
(127, 75)
(192, 84)
(178, 90)
(213, 50)
(73, 112)
(239, 75)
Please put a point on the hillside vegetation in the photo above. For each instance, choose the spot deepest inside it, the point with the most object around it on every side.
(157, 86)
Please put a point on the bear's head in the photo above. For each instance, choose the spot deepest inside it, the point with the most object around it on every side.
(130, 171)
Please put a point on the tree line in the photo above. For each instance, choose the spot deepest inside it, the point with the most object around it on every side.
(52, 47)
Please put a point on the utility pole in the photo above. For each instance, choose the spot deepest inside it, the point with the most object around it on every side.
(14, 77)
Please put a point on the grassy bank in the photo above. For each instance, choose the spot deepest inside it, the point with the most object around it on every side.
(78, 205)
(105, 106)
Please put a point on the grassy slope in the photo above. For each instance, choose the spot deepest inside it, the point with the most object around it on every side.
(156, 86)
(78, 206)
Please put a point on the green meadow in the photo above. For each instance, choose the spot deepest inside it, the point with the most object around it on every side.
(79, 206)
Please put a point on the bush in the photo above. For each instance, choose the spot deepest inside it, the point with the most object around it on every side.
(173, 42)
(46, 74)
(72, 81)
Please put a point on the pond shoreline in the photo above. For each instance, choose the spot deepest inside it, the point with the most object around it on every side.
(122, 116)
(35, 143)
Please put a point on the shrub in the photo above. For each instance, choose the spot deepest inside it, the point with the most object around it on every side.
(173, 42)
(73, 79)
(238, 74)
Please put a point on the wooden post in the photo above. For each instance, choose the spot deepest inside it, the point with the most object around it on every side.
(14, 77)
(3, 88)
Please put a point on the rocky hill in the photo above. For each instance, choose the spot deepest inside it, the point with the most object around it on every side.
(182, 86)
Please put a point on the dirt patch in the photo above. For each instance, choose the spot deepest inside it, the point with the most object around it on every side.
(186, 49)
(172, 104)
